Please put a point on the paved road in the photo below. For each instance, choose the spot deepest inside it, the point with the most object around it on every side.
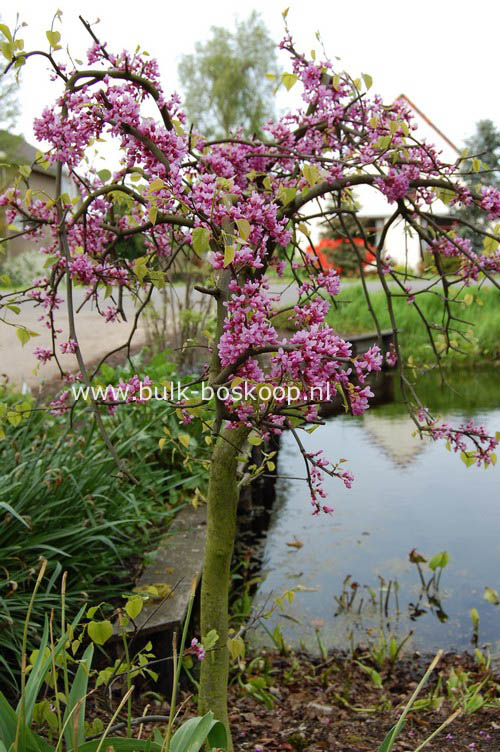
(96, 338)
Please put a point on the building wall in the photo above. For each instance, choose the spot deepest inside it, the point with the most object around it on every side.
(40, 182)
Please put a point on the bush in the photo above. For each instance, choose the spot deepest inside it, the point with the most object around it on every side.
(23, 268)
(63, 497)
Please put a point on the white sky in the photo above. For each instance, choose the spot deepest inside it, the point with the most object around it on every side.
(442, 53)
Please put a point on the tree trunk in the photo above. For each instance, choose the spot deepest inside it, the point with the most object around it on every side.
(221, 531)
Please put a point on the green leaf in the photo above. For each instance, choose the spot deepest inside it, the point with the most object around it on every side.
(254, 440)
(287, 194)
(229, 252)
(74, 733)
(134, 606)
(244, 228)
(14, 418)
(12, 511)
(28, 741)
(42, 664)
(446, 195)
(140, 268)
(383, 143)
(7, 50)
(441, 559)
(468, 458)
(374, 675)
(156, 185)
(53, 37)
(104, 175)
(191, 736)
(152, 214)
(25, 170)
(6, 32)
(236, 647)
(368, 80)
(474, 615)
(100, 631)
(201, 239)
(311, 174)
(210, 639)
(491, 596)
(289, 79)
(24, 335)
(389, 740)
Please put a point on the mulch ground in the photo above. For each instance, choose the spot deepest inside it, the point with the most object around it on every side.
(334, 705)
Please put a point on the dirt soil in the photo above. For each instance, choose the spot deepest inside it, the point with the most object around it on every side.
(334, 705)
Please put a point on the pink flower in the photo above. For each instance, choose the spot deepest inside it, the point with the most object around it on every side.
(197, 649)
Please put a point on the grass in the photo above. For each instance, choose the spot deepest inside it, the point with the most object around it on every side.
(479, 337)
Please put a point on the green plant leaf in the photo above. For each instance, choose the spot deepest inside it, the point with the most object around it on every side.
(372, 673)
(244, 228)
(289, 79)
(210, 639)
(191, 736)
(10, 510)
(390, 738)
(41, 666)
(100, 631)
(76, 702)
(368, 80)
(229, 252)
(134, 605)
(201, 239)
(491, 596)
(24, 335)
(104, 175)
(441, 559)
(29, 742)
(53, 37)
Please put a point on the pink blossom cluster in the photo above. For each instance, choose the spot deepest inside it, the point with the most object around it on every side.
(469, 438)
(250, 196)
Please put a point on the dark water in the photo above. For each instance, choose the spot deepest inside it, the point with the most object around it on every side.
(407, 494)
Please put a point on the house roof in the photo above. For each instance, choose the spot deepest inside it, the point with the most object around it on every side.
(16, 150)
(429, 122)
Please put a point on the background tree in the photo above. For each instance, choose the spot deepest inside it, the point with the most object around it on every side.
(224, 80)
(481, 168)
(9, 102)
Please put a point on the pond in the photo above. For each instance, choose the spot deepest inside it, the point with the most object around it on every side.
(353, 568)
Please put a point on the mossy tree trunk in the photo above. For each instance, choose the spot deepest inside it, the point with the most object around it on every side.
(221, 530)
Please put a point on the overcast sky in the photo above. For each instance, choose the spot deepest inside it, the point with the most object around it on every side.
(443, 54)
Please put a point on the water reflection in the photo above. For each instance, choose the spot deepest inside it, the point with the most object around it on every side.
(409, 495)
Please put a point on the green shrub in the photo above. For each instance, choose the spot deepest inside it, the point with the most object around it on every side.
(62, 497)
(23, 268)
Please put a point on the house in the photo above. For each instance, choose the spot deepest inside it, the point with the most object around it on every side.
(15, 151)
(405, 248)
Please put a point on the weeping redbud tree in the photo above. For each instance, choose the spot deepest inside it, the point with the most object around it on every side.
(243, 207)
